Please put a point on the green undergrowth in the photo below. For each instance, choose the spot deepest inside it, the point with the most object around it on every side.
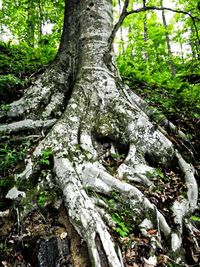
(12, 154)
(173, 96)
(46, 157)
(180, 99)
(195, 218)
(18, 62)
(120, 211)
(41, 197)
(122, 215)
(20, 59)
(112, 162)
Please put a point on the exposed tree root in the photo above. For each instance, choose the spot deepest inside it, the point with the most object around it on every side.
(101, 182)
(84, 217)
(153, 113)
(26, 125)
(102, 140)
(98, 126)
(44, 99)
(78, 165)
(192, 192)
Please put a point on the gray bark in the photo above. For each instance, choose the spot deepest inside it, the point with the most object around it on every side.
(30, 38)
(168, 42)
(145, 33)
(94, 118)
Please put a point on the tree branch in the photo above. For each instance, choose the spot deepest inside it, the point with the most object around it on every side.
(118, 24)
(146, 8)
(126, 13)
(26, 125)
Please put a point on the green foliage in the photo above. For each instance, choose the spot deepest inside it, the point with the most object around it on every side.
(9, 80)
(170, 97)
(159, 174)
(121, 228)
(147, 61)
(20, 59)
(195, 218)
(117, 156)
(45, 157)
(188, 96)
(119, 209)
(24, 21)
(29, 47)
(42, 199)
(17, 62)
(122, 214)
(10, 156)
(5, 107)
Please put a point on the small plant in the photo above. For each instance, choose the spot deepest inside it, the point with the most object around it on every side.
(46, 156)
(121, 228)
(157, 173)
(10, 156)
(9, 80)
(111, 169)
(117, 156)
(195, 218)
(121, 213)
(5, 107)
(113, 161)
(42, 199)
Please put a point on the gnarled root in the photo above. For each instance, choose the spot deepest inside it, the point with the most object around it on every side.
(84, 217)
(86, 142)
(43, 100)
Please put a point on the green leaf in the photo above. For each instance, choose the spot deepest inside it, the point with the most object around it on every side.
(195, 218)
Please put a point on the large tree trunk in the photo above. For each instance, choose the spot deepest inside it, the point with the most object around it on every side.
(93, 119)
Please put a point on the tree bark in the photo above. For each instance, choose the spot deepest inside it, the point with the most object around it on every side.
(168, 42)
(30, 37)
(94, 119)
(145, 33)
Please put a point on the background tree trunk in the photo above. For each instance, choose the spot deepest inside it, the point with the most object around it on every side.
(168, 42)
(30, 38)
(145, 33)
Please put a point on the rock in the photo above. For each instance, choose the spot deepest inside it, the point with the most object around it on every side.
(14, 193)
(53, 252)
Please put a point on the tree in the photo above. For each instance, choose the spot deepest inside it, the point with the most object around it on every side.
(145, 31)
(89, 119)
(168, 41)
(25, 20)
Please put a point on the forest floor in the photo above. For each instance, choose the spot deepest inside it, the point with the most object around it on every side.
(168, 189)
(21, 237)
